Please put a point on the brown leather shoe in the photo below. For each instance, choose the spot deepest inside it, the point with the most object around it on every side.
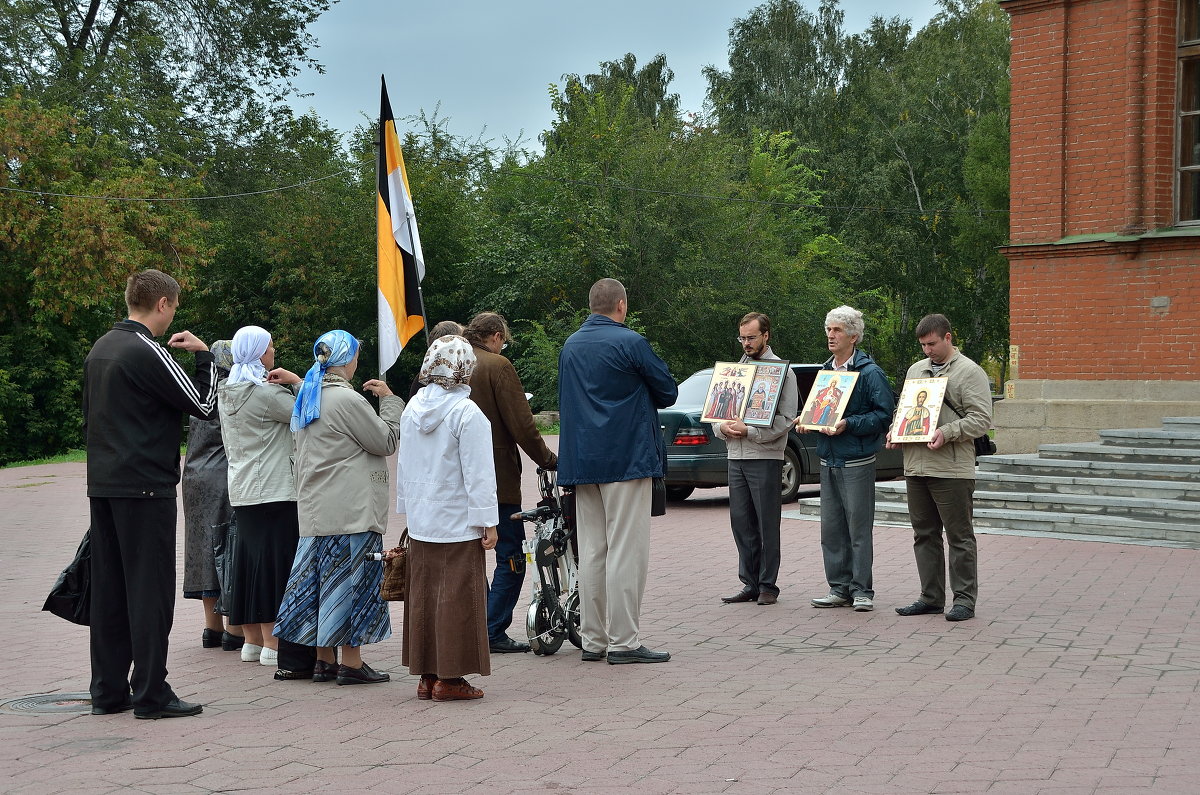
(455, 690)
(768, 598)
(740, 596)
(425, 687)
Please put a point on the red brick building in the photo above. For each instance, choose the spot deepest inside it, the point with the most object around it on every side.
(1105, 218)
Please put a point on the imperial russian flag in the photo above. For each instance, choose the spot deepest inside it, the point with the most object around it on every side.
(401, 265)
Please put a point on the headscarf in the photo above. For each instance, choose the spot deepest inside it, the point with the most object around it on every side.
(222, 354)
(249, 345)
(448, 362)
(332, 349)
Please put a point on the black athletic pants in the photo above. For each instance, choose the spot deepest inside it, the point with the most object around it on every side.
(133, 600)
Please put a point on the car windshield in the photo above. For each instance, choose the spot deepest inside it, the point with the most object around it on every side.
(693, 391)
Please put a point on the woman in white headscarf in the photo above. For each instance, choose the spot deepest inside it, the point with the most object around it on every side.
(332, 598)
(446, 484)
(255, 419)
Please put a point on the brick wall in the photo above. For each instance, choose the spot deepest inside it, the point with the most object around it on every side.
(1093, 115)
(1093, 98)
(1101, 312)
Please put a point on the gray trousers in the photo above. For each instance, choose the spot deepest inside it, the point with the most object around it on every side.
(755, 505)
(847, 518)
(935, 504)
(613, 521)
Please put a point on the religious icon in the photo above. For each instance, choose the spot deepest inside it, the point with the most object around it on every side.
(827, 400)
(746, 391)
(917, 412)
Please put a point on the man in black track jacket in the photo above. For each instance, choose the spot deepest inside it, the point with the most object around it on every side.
(134, 395)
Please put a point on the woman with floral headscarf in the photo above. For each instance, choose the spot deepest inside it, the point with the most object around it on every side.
(332, 596)
(256, 412)
(446, 484)
(205, 505)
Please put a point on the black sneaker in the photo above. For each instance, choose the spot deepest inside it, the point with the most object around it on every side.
(593, 656)
(639, 655)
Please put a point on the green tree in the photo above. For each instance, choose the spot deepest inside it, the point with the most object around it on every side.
(64, 257)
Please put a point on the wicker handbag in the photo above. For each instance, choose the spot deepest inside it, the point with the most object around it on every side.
(395, 571)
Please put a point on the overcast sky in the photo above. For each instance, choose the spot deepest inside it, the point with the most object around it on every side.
(489, 63)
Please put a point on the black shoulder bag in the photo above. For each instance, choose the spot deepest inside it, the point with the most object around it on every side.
(983, 444)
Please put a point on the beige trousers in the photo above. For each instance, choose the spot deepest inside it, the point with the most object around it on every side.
(614, 553)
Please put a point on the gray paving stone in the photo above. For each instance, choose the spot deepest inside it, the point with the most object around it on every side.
(1082, 661)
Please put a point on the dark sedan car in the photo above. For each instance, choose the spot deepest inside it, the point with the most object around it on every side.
(696, 458)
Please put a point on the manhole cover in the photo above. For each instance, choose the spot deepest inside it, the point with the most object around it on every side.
(48, 703)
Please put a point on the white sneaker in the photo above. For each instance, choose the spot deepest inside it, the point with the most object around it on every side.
(250, 652)
(269, 657)
(862, 604)
(832, 600)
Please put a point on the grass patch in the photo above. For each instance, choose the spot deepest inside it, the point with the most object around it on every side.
(548, 430)
(69, 457)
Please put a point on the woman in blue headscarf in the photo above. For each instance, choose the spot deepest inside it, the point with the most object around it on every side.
(332, 596)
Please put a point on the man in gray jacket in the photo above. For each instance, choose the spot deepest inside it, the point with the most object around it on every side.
(940, 475)
(756, 475)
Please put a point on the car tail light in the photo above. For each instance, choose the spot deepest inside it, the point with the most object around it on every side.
(690, 436)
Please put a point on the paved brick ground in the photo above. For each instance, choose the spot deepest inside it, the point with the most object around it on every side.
(1079, 675)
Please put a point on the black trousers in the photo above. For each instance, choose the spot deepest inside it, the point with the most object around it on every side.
(133, 600)
(755, 505)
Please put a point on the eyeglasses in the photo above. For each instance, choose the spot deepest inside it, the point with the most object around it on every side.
(748, 339)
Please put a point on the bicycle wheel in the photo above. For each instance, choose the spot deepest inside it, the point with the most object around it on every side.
(545, 637)
(572, 619)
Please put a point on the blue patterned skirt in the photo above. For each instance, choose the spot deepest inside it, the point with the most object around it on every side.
(332, 596)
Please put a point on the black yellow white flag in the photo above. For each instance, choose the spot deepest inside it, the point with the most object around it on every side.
(401, 265)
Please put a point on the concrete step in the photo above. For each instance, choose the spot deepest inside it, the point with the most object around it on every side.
(1142, 508)
(1183, 423)
(1005, 480)
(1034, 522)
(1033, 465)
(1173, 438)
(1095, 451)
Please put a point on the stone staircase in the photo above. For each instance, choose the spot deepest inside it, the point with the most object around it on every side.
(1134, 485)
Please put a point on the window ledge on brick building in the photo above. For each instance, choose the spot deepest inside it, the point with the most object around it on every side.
(1185, 236)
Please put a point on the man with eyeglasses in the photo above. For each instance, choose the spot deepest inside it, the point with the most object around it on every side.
(497, 390)
(756, 475)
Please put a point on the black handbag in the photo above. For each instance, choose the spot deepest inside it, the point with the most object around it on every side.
(658, 497)
(983, 444)
(71, 596)
(224, 543)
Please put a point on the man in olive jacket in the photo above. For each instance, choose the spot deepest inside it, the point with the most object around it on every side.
(940, 475)
(496, 389)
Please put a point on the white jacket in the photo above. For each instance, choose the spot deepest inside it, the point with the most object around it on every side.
(445, 473)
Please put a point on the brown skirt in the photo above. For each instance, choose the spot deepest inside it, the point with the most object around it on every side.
(445, 610)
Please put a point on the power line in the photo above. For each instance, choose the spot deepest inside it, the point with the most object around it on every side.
(611, 185)
(176, 198)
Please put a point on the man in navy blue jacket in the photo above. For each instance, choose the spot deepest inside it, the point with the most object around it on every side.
(134, 398)
(847, 450)
(610, 385)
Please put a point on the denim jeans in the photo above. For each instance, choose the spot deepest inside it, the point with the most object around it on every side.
(505, 590)
(847, 517)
